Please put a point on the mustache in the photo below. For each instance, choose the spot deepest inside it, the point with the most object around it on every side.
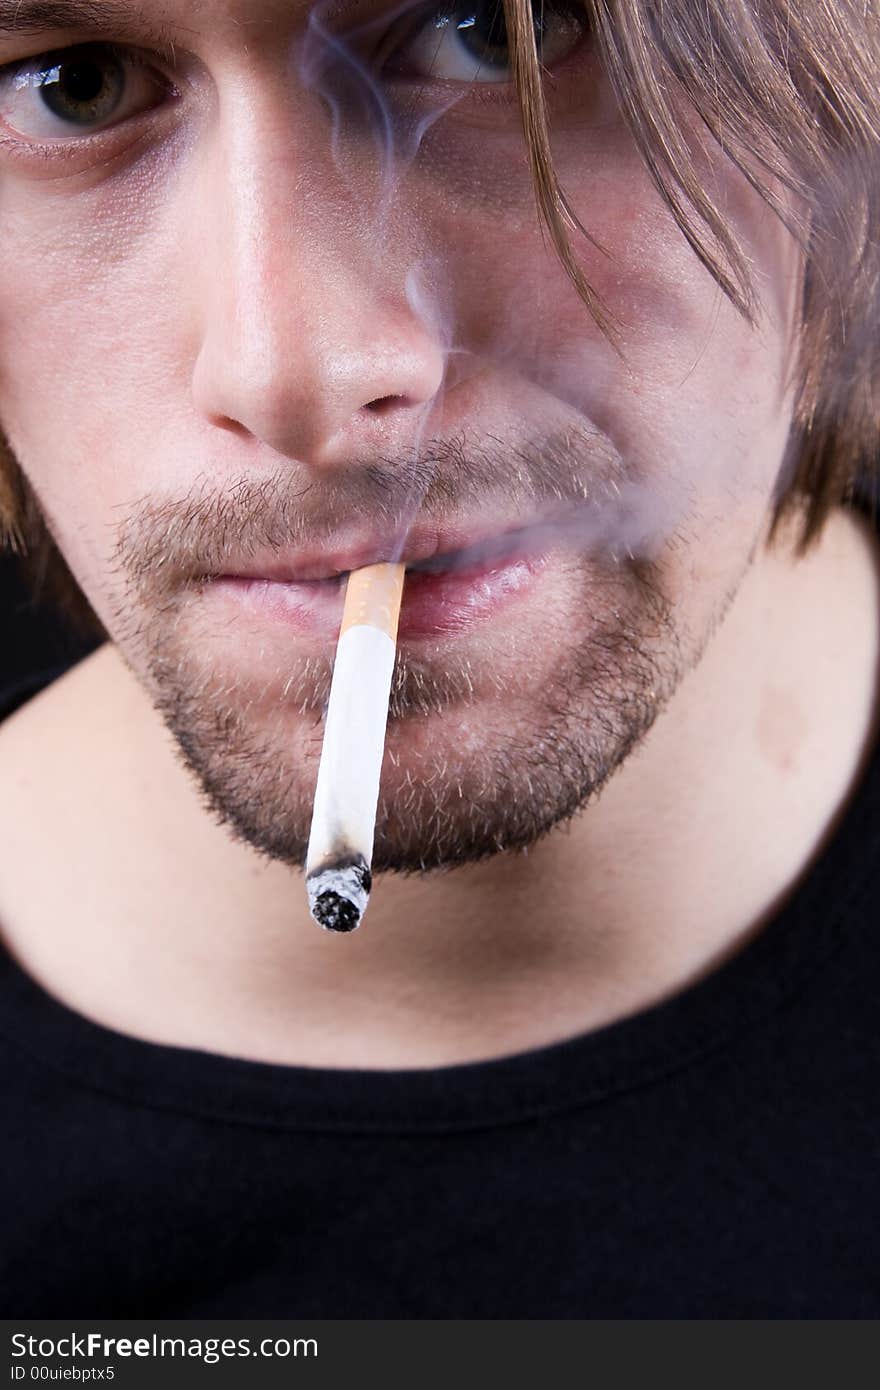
(166, 542)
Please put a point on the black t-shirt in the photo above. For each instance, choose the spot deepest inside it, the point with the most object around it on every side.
(714, 1156)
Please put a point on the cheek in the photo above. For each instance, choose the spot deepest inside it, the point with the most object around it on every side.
(88, 350)
(100, 325)
(693, 393)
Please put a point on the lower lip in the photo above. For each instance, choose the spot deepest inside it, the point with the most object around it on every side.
(434, 604)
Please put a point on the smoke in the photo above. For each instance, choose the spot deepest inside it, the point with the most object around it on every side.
(335, 67)
(403, 94)
(540, 438)
(565, 491)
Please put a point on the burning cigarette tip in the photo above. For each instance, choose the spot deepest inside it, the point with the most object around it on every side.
(338, 895)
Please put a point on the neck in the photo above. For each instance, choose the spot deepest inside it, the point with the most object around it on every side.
(191, 939)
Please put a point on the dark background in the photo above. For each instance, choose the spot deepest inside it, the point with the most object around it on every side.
(33, 640)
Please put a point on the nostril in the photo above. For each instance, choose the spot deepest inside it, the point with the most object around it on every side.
(383, 404)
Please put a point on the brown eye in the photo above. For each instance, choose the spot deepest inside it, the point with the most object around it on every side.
(84, 88)
(469, 43)
(76, 91)
(482, 33)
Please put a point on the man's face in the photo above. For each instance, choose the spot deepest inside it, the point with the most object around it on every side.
(275, 302)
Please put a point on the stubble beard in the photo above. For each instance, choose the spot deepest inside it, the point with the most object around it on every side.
(482, 756)
(534, 755)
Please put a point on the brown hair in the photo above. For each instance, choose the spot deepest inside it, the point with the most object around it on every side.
(790, 90)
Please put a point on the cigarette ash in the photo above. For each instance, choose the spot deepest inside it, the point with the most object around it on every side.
(339, 893)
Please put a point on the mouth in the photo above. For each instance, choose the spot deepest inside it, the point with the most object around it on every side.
(453, 579)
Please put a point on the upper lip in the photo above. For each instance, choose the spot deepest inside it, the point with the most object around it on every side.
(418, 546)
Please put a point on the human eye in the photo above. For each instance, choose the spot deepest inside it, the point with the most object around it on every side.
(77, 91)
(468, 42)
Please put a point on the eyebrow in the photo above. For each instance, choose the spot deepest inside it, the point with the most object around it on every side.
(22, 17)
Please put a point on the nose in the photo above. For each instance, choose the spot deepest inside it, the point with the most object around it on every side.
(306, 341)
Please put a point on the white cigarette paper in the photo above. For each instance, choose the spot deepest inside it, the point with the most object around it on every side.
(340, 853)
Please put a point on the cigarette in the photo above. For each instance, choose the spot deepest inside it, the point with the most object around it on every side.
(340, 852)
